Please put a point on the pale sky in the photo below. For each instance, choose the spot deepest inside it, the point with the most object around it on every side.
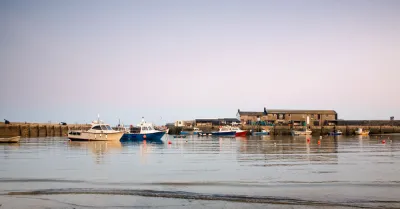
(171, 60)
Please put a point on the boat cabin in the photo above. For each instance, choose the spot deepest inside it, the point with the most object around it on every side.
(101, 127)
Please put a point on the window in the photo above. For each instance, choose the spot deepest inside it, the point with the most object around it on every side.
(96, 128)
(144, 128)
(149, 128)
(103, 127)
(108, 127)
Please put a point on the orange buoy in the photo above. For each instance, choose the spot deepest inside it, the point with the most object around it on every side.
(383, 141)
(319, 142)
(144, 136)
(169, 142)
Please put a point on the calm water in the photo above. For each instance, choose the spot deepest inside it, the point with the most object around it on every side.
(212, 172)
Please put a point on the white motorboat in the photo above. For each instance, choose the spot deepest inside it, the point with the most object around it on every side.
(301, 132)
(99, 131)
(360, 131)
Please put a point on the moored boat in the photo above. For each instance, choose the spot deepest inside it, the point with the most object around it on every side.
(261, 133)
(224, 131)
(238, 131)
(305, 131)
(14, 139)
(99, 131)
(144, 131)
(360, 131)
(195, 131)
(336, 133)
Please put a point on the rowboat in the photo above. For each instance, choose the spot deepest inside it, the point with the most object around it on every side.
(14, 139)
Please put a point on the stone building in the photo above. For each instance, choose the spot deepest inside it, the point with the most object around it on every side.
(295, 117)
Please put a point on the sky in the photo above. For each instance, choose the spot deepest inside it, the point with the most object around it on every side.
(180, 60)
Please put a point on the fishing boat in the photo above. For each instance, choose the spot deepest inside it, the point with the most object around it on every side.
(261, 133)
(143, 131)
(305, 131)
(238, 131)
(360, 131)
(336, 133)
(224, 131)
(14, 139)
(99, 131)
(195, 131)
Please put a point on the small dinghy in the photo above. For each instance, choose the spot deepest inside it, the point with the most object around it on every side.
(14, 139)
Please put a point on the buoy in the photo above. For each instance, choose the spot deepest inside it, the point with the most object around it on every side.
(308, 140)
(169, 142)
(383, 141)
(144, 136)
(320, 137)
(319, 142)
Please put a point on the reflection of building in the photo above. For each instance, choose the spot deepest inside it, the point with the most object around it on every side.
(297, 117)
(287, 151)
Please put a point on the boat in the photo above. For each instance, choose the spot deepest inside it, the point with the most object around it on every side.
(143, 131)
(14, 139)
(238, 131)
(360, 131)
(179, 136)
(223, 131)
(261, 133)
(99, 131)
(305, 131)
(195, 131)
(336, 133)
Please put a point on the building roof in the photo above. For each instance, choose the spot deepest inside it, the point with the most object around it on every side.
(276, 111)
(251, 113)
(301, 111)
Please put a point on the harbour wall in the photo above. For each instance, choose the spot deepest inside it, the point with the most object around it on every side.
(38, 130)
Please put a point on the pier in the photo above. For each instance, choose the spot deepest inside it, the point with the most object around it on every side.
(38, 129)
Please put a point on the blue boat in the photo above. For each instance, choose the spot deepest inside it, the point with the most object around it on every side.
(261, 133)
(195, 131)
(223, 131)
(144, 131)
(335, 133)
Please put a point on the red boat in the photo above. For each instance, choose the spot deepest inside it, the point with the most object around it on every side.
(238, 131)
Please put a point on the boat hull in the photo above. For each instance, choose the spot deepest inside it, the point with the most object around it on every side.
(227, 133)
(301, 133)
(241, 133)
(335, 134)
(147, 136)
(85, 136)
(260, 133)
(14, 139)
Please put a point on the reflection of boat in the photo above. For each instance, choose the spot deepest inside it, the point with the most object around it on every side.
(143, 131)
(305, 131)
(360, 131)
(195, 131)
(336, 133)
(261, 133)
(99, 131)
(224, 131)
(238, 131)
(14, 139)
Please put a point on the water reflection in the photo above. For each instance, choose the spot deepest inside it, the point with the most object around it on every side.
(98, 148)
(283, 150)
